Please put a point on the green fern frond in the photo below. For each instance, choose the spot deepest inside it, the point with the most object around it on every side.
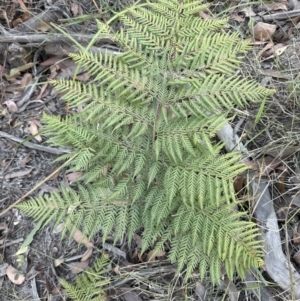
(90, 285)
(145, 138)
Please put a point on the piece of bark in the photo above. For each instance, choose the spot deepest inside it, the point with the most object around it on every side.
(277, 265)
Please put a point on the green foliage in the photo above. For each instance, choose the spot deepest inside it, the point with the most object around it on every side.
(145, 140)
(90, 285)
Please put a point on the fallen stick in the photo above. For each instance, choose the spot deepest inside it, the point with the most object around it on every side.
(56, 151)
(278, 16)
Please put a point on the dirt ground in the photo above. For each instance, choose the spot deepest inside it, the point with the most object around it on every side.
(27, 62)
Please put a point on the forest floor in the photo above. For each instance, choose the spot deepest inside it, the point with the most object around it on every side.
(29, 58)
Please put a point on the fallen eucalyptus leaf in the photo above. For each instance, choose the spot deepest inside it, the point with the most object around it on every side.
(14, 275)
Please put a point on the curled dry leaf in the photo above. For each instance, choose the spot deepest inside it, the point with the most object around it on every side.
(265, 49)
(42, 92)
(14, 275)
(11, 105)
(205, 16)
(83, 77)
(82, 239)
(25, 160)
(263, 31)
(33, 129)
(152, 254)
(116, 270)
(26, 79)
(58, 261)
(76, 9)
(78, 267)
(276, 50)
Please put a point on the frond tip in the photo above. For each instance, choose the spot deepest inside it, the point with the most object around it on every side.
(90, 285)
(145, 138)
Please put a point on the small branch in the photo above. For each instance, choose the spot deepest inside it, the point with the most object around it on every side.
(84, 39)
(56, 151)
(285, 15)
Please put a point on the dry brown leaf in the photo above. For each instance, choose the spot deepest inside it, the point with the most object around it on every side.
(36, 122)
(78, 267)
(205, 16)
(88, 253)
(296, 257)
(282, 151)
(26, 16)
(83, 77)
(238, 184)
(58, 261)
(152, 255)
(270, 49)
(263, 31)
(237, 17)
(276, 6)
(73, 176)
(277, 50)
(51, 61)
(14, 275)
(15, 72)
(248, 11)
(17, 174)
(267, 47)
(25, 160)
(82, 239)
(22, 5)
(33, 129)
(17, 22)
(11, 105)
(53, 72)
(76, 9)
(59, 228)
(26, 79)
(116, 270)
(41, 94)
(44, 26)
(267, 164)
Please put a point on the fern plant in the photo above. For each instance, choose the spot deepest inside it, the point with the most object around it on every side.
(144, 140)
(90, 285)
